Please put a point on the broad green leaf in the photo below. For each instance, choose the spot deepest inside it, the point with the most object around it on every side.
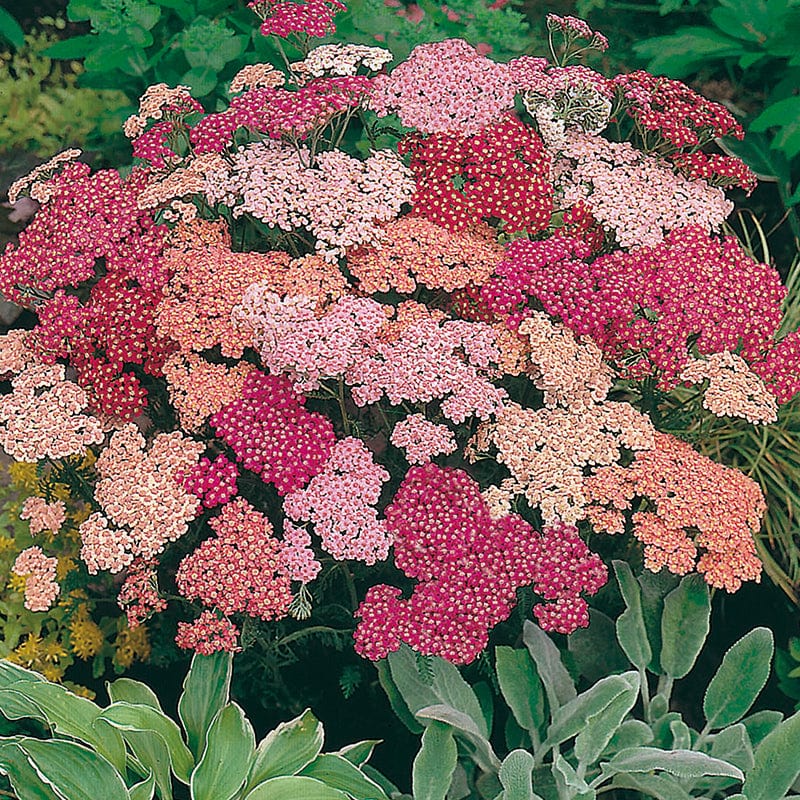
(760, 724)
(75, 47)
(202, 80)
(777, 762)
(206, 690)
(129, 691)
(151, 751)
(572, 718)
(558, 684)
(465, 727)
(228, 755)
(684, 625)
(398, 704)
(569, 783)
(335, 770)
(600, 727)
(359, 752)
(595, 649)
(516, 775)
(294, 787)
(447, 687)
(685, 50)
(733, 745)
(435, 763)
(785, 115)
(521, 687)
(12, 673)
(756, 151)
(285, 750)
(144, 719)
(680, 763)
(144, 15)
(632, 733)
(10, 29)
(631, 631)
(73, 716)
(25, 781)
(660, 787)
(144, 790)
(75, 771)
(739, 679)
(486, 696)
(681, 735)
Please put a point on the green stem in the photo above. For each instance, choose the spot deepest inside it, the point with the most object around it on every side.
(343, 408)
(645, 692)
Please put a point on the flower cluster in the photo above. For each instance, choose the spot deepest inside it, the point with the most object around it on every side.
(296, 336)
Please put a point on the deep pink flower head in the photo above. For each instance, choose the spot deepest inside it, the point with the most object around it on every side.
(273, 435)
(208, 634)
(214, 482)
(468, 567)
(312, 18)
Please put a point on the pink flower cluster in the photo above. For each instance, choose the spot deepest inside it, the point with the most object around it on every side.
(573, 27)
(637, 197)
(446, 87)
(41, 588)
(272, 433)
(340, 501)
(310, 18)
(43, 516)
(140, 494)
(643, 307)
(240, 570)
(138, 596)
(468, 567)
(422, 439)
(340, 200)
(214, 482)
(43, 416)
(208, 634)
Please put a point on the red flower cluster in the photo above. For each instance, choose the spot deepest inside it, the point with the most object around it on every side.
(214, 482)
(501, 173)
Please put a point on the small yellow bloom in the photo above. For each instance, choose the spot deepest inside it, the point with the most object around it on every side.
(52, 672)
(65, 565)
(52, 651)
(23, 475)
(28, 651)
(81, 691)
(16, 583)
(86, 638)
(6, 544)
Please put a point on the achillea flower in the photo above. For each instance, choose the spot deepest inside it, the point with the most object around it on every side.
(422, 439)
(500, 172)
(468, 567)
(273, 435)
(256, 76)
(446, 87)
(341, 503)
(36, 183)
(241, 569)
(638, 197)
(734, 390)
(41, 588)
(42, 417)
(687, 492)
(341, 60)
(43, 516)
(141, 495)
(208, 634)
(310, 18)
(575, 28)
(15, 352)
(214, 482)
(138, 596)
(417, 250)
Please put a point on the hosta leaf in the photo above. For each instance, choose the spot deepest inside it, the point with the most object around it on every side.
(285, 750)
(206, 690)
(22, 775)
(228, 755)
(337, 771)
(294, 787)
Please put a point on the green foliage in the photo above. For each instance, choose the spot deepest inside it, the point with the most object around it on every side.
(42, 109)
(755, 41)
(621, 733)
(131, 750)
(202, 43)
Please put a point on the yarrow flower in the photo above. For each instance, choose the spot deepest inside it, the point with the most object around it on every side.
(41, 588)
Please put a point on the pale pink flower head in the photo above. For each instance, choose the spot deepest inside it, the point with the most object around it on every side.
(41, 588)
(43, 516)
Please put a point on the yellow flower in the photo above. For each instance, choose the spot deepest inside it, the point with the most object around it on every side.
(52, 651)
(16, 583)
(6, 544)
(65, 565)
(80, 514)
(23, 475)
(131, 643)
(28, 651)
(81, 691)
(61, 492)
(86, 638)
(52, 672)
